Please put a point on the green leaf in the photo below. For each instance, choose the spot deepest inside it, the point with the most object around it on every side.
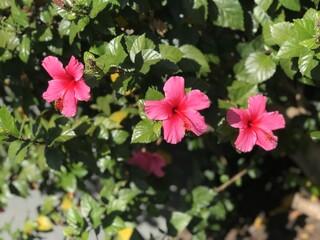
(239, 92)
(306, 63)
(4, 4)
(282, 32)
(97, 6)
(267, 36)
(18, 150)
(7, 123)
(193, 53)
(82, 23)
(119, 136)
(149, 57)
(68, 182)
(18, 15)
(96, 216)
(141, 43)
(230, 14)
(73, 31)
(202, 197)
(315, 135)
(103, 104)
(180, 220)
(146, 131)
(113, 55)
(170, 52)
(49, 204)
(64, 27)
(24, 48)
(197, 4)
(45, 17)
(290, 49)
(4, 35)
(219, 211)
(264, 4)
(74, 219)
(293, 5)
(21, 186)
(262, 17)
(306, 80)
(46, 35)
(224, 104)
(56, 48)
(287, 67)
(310, 43)
(87, 204)
(311, 14)
(54, 158)
(254, 172)
(153, 94)
(260, 65)
(120, 203)
(116, 225)
(305, 29)
(70, 232)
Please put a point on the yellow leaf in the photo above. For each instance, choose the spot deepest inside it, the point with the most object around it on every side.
(66, 204)
(44, 223)
(29, 226)
(114, 76)
(128, 92)
(125, 234)
(118, 116)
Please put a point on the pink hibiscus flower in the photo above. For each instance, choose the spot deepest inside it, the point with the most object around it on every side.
(67, 85)
(149, 162)
(255, 124)
(178, 111)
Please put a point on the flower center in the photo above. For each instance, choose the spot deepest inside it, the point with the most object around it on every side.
(58, 104)
(174, 110)
(186, 122)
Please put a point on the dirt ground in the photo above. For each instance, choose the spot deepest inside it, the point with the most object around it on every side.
(291, 225)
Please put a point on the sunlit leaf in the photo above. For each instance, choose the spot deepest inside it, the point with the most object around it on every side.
(24, 48)
(230, 14)
(180, 220)
(260, 65)
(146, 131)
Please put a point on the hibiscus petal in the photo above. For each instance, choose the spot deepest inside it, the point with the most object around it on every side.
(75, 68)
(238, 118)
(195, 100)
(82, 91)
(157, 164)
(257, 105)
(173, 129)
(266, 139)
(69, 107)
(158, 110)
(139, 159)
(174, 90)
(55, 90)
(271, 121)
(194, 122)
(246, 140)
(54, 67)
(157, 171)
